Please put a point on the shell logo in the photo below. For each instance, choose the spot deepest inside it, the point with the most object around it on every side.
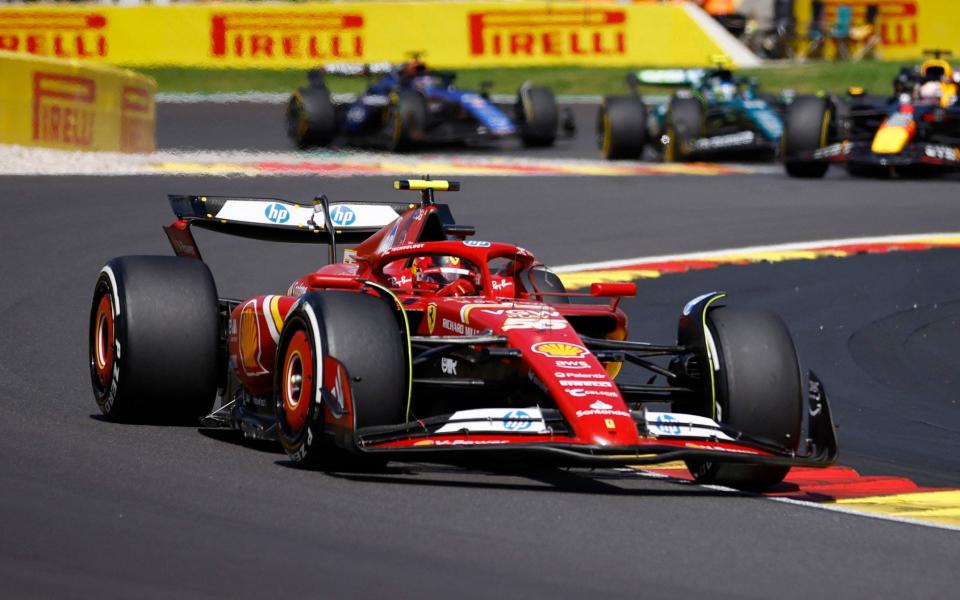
(559, 350)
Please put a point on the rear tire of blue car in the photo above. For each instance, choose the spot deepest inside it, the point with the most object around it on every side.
(683, 125)
(362, 333)
(155, 339)
(806, 129)
(537, 116)
(759, 392)
(407, 121)
(311, 118)
(622, 127)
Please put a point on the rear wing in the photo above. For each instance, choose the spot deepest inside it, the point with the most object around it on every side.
(347, 69)
(276, 220)
(323, 222)
(667, 77)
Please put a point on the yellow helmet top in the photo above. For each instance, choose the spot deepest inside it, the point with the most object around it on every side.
(936, 67)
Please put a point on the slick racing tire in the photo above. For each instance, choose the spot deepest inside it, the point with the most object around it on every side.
(154, 339)
(684, 124)
(362, 333)
(407, 121)
(806, 129)
(759, 392)
(622, 127)
(537, 116)
(311, 118)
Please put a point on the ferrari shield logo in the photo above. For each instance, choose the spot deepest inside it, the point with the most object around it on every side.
(431, 317)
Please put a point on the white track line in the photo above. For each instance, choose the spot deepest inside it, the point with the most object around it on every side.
(749, 250)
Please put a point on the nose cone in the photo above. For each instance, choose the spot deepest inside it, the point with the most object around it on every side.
(891, 139)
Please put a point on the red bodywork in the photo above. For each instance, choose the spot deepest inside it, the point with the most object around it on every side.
(551, 347)
(550, 357)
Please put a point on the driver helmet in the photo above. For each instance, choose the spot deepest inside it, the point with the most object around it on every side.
(435, 272)
(414, 68)
(725, 90)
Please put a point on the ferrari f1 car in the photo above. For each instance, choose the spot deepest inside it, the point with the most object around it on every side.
(714, 115)
(424, 344)
(914, 131)
(411, 106)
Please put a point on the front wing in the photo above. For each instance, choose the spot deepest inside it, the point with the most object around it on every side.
(666, 437)
(859, 153)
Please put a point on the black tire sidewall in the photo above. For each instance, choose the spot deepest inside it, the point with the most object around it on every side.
(362, 333)
(167, 350)
(622, 127)
(758, 363)
(538, 116)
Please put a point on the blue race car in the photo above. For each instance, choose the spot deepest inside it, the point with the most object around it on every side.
(411, 106)
(714, 115)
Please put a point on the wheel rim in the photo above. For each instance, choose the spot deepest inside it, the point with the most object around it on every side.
(103, 340)
(297, 381)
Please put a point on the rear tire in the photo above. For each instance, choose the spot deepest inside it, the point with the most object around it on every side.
(154, 339)
(362, 333)
(311, 118)
(622, 127)
(538, 116)
(806, 129)
(759, 392)
(408, 121)
(684, 123)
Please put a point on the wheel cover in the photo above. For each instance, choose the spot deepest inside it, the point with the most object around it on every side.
(103, 340)
(297, 381)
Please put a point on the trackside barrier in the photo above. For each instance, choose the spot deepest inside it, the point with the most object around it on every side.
(449, 34)
(905, 27)
(68, 104)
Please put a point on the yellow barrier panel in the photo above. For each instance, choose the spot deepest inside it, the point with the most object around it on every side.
(905, 27)
(265, 35)
(75, 106)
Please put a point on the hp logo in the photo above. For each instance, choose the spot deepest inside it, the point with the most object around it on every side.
(516, 420)
(341, 216)
(668, 424)
(277, 213)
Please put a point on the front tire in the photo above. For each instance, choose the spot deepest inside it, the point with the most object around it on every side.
(311, 118)
(622, 127)
(684, 124)
(408, 121)
(362, 333)
(759, 392)
(154, 339)
(806, 129)
(538, 116)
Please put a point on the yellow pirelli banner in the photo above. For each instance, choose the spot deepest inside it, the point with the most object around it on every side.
(285, 35)
(73, 105)
(905, 27)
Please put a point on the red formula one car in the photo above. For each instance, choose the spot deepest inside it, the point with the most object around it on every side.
(426, 345)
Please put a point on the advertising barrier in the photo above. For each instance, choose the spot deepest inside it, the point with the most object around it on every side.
(71, 105)
(285, 35)
(905, 27)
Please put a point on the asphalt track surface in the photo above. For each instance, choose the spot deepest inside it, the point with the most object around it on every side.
(91, 507)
